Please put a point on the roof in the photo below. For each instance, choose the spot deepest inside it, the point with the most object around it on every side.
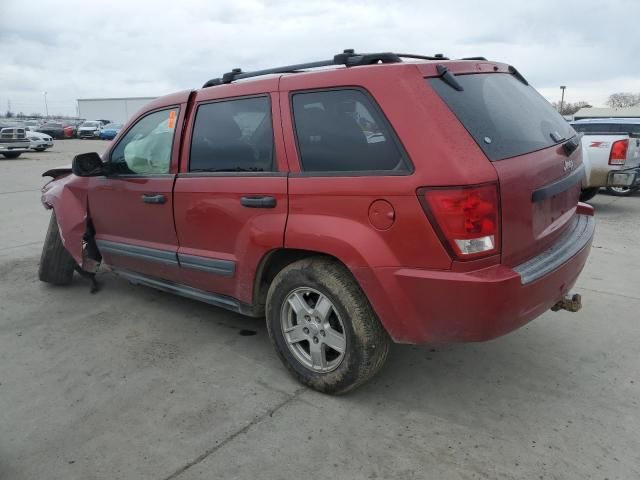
(595, 112)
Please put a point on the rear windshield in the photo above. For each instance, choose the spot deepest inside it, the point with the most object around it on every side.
(505, 117)
(606, 127)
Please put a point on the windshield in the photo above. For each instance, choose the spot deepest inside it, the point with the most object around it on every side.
(90, 124)
(52, 125)
(113, 126)
(505, 117)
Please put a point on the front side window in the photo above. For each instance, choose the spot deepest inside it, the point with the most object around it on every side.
(233, 136)
(343, 131)
(146, 148)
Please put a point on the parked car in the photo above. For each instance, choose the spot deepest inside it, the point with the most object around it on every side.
(611, 155)
(109, 131)
(70, 130)
(270, 197)
(13, 141)
(53, 129)
(90, 129)
(39, 141)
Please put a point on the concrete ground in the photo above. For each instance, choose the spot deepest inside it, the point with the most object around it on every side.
(131, 383)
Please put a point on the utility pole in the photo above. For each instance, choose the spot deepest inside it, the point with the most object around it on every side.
(46, 108)
(562, 87)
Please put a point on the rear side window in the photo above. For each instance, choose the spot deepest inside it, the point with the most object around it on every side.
(606, 127)
(505, 117)
(344, 131)
(233, 136)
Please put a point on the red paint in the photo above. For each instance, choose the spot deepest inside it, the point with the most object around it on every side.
(375, 225)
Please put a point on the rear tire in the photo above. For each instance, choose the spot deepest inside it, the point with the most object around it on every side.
(588, 193)
(56, 263)
(11, 155)
(621, 191)
(344, 319)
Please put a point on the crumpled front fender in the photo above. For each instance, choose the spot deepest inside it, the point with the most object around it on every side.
(67, 195)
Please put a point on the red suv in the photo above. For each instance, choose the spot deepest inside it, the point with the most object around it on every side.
(393, 197)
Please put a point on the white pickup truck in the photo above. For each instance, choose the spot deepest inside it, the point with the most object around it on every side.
(13, 141)
(611, 155)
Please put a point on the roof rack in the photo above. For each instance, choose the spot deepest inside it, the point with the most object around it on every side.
(348, 58)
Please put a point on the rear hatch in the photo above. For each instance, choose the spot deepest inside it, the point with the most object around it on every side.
(523, 136)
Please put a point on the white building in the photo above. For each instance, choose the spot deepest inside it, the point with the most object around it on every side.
(117, 110)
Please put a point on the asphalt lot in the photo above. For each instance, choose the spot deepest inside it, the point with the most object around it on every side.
(133, 383)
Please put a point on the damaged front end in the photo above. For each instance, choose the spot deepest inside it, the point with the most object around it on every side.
(66, 194)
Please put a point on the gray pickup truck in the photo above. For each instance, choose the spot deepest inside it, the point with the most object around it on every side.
(13, 141)
(611, 155)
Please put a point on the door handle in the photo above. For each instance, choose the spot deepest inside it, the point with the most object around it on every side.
(258, 202)
(158, 199)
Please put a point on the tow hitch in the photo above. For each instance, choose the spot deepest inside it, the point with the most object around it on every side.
(570, 303)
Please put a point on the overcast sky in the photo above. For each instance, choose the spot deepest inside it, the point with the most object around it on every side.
(85, 49)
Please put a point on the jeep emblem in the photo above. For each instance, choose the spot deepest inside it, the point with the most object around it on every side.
(568, 164)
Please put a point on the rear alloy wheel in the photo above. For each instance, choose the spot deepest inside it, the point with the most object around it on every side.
(56, 263)
(621, 191)
(323, 327)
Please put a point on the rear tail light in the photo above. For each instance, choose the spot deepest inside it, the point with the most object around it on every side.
(618, 153)
(466, 218)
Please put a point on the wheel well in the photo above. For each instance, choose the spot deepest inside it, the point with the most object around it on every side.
(271, 264)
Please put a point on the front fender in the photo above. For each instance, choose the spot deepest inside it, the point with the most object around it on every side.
(67, 196)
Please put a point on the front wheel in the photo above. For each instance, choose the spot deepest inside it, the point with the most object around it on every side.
(323, 327)
(56, 263)
(621, 191)
(12, 154)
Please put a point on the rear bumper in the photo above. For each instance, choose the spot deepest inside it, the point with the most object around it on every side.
(629, 177)
(426, 306)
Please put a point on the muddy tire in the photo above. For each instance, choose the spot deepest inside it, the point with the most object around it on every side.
(56, 264)
(323, 327)
(588, 193)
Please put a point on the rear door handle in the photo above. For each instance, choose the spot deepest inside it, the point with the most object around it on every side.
(159, 199)
(258, 202)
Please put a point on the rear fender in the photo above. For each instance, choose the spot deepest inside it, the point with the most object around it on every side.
(67, 196)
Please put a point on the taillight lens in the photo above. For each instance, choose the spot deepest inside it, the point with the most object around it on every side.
(618, 153)
(467, 218)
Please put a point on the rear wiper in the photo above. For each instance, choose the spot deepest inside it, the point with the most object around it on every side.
(234, 169)
(448, 77)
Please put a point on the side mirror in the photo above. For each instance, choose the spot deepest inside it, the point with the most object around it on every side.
(87, 165)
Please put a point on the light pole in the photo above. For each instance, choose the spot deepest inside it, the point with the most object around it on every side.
(45, 104)
(562, 87)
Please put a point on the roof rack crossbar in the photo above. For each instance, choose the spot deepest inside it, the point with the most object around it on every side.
(437, 56)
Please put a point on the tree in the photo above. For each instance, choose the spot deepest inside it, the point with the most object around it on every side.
(9, 114)
(570, 108)
(623, 100)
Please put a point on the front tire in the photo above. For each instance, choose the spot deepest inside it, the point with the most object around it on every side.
(56, 263)
(12, 154)
(323, 327)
